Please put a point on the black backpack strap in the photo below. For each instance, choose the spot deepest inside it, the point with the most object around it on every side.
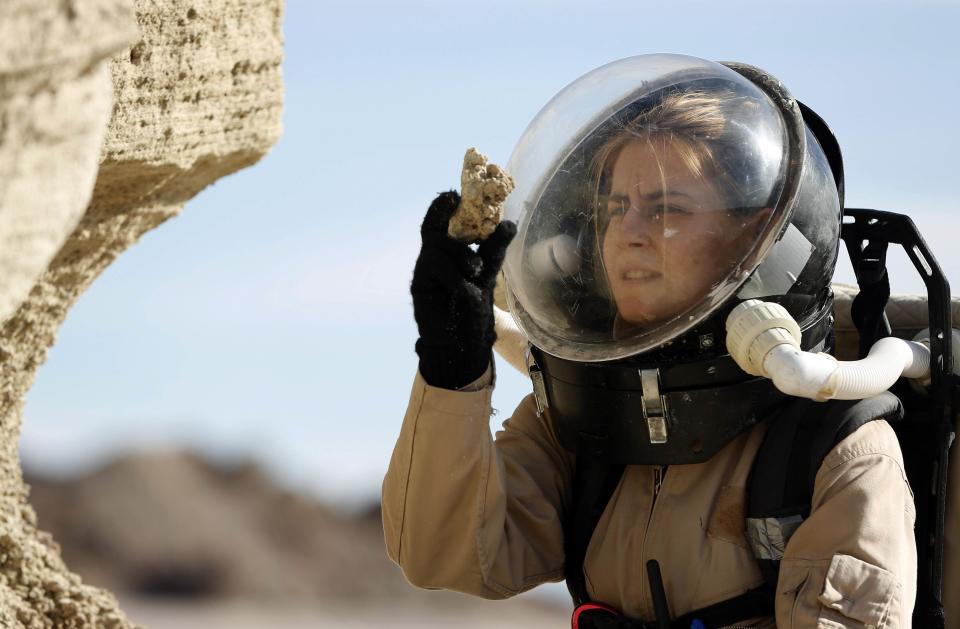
(754, 603)
(777, 500)
(593, 485)
(751, 604)
(843, 418)
(868, 307)
(781, 482)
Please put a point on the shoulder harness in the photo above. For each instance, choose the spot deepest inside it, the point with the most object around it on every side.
(779, 494)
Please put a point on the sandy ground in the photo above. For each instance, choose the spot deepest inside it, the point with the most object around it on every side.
(248, 615)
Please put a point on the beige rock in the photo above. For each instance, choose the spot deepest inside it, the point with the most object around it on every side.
(46, 43)
(55, 100)
(483, 189)
(197, 96)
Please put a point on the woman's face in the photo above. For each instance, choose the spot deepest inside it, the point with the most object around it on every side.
(669, 238)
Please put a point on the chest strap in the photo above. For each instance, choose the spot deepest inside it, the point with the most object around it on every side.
(751, 604)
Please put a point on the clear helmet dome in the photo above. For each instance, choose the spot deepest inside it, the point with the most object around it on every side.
(655, 190)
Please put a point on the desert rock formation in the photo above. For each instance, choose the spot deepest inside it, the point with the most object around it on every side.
(196, 94)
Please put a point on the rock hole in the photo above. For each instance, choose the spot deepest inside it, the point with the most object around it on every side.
(70, 10)
(136, 53)
(192, 14)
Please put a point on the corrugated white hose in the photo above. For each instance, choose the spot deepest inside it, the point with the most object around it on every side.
(511, 344)
(764, 340)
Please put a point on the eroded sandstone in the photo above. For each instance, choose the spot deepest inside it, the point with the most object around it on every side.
(197, 94)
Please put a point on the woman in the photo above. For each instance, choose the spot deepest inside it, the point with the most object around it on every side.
(687, 188)
(668, 229)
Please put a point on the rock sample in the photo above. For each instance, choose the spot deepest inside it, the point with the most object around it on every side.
(197, 95)
(483, 189)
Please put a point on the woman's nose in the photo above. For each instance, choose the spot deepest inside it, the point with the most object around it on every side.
(639, 227)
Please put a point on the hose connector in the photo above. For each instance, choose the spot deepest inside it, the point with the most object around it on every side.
(754, 328)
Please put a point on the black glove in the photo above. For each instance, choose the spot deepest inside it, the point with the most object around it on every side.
(452, 292)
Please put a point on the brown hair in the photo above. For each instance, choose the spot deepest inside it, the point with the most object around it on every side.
(695, 124)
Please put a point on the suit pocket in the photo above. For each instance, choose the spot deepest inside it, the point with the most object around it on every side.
(859, 594)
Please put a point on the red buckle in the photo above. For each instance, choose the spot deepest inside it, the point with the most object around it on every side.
(589, 607)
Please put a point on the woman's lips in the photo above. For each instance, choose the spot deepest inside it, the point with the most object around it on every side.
(635, 275)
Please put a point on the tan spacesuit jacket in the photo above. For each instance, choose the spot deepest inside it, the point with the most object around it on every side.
(470, 513)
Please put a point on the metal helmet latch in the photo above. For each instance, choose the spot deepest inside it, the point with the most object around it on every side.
(655, 408)
(539, 386)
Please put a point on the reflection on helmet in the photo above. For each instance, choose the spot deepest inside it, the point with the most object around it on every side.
(681, 176)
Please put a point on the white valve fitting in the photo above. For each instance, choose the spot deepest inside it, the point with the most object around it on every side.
(764, 340)
(754, 328)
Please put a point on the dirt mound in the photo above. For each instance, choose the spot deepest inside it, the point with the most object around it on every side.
(177, 525)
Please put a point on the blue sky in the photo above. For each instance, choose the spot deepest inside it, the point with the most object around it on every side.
(271, 319)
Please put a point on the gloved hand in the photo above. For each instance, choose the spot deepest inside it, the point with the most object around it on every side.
(452, 292)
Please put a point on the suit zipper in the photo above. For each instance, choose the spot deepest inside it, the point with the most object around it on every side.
(659, 473)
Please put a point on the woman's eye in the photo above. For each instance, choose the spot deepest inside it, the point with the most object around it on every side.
(617, 208)
(664, 212)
